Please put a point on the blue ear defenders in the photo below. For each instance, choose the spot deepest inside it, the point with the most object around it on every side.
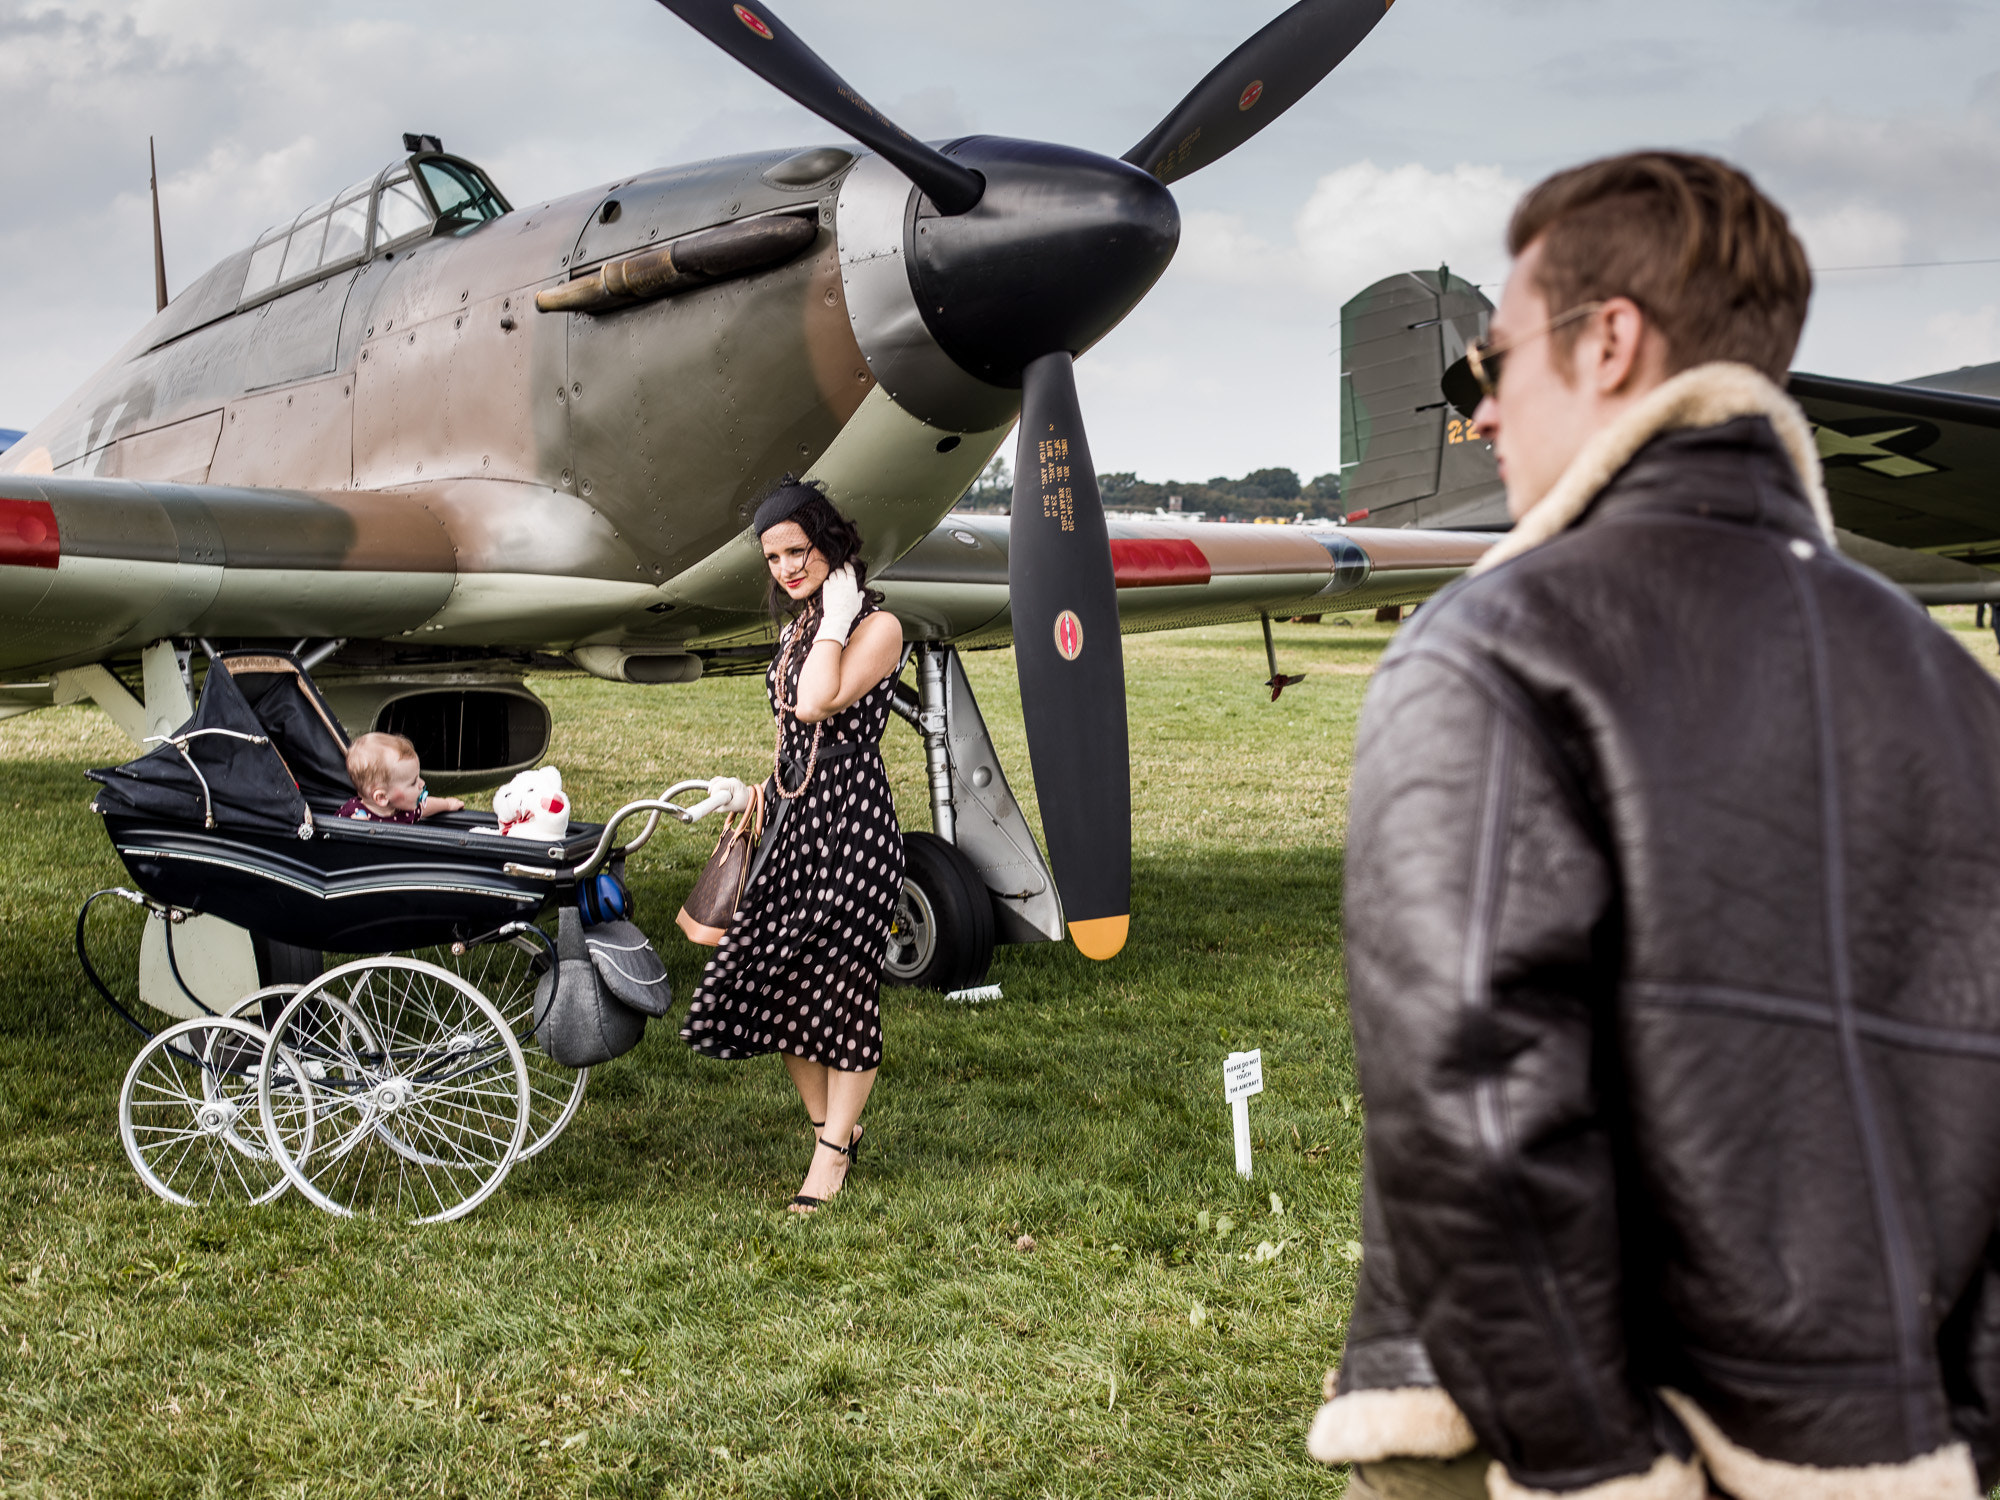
(603, 898)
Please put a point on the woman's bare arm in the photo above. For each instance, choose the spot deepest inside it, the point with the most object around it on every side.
(835, 676)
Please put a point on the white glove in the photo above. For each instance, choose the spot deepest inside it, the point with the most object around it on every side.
(840, 602)
(729, 787)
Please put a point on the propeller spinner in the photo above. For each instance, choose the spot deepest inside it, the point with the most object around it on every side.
(1022, 255)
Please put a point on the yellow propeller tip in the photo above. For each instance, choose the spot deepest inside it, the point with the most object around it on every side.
(1100, 937)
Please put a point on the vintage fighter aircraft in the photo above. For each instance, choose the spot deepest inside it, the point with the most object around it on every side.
(1911, 468)
(431, 437)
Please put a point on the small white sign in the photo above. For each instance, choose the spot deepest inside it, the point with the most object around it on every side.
(1243, 1075)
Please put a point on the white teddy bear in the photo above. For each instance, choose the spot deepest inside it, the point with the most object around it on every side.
(533, 805)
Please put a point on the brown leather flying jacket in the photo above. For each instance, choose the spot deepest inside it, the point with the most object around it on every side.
(1673, 942)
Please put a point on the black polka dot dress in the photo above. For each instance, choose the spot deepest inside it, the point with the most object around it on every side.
(801, 967)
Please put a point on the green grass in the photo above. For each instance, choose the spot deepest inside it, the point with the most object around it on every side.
(634, 1313)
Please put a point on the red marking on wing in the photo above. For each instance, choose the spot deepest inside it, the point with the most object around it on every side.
(755, 22)
(1150, 563)
(28, 536)
(1251, 95)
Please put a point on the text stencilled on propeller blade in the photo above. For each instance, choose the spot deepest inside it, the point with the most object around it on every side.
(1058, 499)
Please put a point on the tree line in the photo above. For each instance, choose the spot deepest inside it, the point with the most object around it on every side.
(1261, 492)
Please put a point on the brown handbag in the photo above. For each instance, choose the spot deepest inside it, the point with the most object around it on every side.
(711, 906)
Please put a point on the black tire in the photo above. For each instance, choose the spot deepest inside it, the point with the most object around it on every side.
(941, 937)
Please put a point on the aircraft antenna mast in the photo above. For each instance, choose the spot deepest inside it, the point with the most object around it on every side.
(159, 247)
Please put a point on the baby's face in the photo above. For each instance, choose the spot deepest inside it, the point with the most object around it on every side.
(406, 784)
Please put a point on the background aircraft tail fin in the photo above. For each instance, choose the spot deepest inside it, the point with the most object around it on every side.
(1406, 458)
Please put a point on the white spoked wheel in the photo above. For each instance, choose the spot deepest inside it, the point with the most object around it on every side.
(505, 972)
(189, 1115)
(420, 1091)
(261, 1007)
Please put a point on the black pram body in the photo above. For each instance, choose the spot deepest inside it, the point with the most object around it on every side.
(236, 816)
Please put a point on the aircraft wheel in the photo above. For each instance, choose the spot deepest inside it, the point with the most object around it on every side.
(941, 934)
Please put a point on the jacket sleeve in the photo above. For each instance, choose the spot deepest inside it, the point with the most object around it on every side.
(1480, 932)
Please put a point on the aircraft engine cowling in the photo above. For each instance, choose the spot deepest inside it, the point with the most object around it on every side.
(470, 735)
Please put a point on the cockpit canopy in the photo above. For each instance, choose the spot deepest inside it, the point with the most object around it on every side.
(410, 199)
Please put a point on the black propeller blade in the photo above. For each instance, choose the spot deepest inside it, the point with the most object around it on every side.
(767, 47)
(1061, 250)
(1071, 659)
(1255, 84)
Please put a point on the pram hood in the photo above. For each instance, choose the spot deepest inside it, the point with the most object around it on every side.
(261, 752)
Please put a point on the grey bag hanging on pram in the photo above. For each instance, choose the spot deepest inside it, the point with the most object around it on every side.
(577, 1021)
(628, 967)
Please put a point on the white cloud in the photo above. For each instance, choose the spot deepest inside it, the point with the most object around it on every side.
(1962, 338)
(1218, 247)
(1855, 233)
(1365, 222)
(1358, 225)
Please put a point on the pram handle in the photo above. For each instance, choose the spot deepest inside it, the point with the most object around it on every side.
(652, 807)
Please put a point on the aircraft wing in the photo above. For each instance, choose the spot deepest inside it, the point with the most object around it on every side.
(953, 584)
(92, 568)
(1909, 466)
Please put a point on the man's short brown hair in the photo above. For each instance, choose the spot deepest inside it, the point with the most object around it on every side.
(1711, 261)
(373, 758)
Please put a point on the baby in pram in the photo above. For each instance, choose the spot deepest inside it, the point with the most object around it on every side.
(389, 782)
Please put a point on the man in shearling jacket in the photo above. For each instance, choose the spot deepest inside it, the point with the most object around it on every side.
(1673, 929)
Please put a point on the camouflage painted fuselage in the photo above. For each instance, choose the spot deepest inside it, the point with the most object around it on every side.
(407, 449)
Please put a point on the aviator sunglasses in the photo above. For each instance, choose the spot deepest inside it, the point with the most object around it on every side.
(1483, 359)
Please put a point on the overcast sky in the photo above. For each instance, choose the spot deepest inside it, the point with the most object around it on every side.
(1876, 124)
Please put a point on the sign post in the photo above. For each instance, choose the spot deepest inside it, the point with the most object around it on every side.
(1242, 1076)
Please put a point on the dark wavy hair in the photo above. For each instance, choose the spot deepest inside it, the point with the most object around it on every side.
(836, 538)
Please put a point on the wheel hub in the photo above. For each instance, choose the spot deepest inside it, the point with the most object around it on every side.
(392, 1094)
(215, 1117)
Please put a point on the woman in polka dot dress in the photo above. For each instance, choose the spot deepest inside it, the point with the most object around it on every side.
(799, 971)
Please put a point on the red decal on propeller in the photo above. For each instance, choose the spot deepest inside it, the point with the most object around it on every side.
(1155, 562)
(755, 22)
(1249, 96)
(28, 536)
(1069, 635)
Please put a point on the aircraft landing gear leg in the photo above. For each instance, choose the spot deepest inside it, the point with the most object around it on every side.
(982, 845)
(1277, 682)
(941, 934)
(933, 720)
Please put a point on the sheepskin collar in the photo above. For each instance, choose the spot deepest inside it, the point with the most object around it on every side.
(1424, 1422)
(1705, 396)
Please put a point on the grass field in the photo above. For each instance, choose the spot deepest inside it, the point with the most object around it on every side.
(634, 1313)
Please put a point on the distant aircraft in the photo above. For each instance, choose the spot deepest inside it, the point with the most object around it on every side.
(428, 439)
(1912, 468)
(9, 436)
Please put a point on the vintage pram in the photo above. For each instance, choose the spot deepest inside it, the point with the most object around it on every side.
(406, 1083)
